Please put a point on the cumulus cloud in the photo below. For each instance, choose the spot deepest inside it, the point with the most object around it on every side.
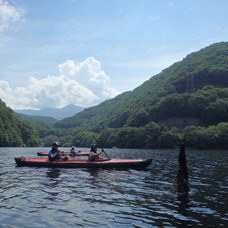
(8, 15)
(82, 84)
(90, 75)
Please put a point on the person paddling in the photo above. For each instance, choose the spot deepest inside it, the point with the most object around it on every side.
(54, 153)
(72, 151)
(94, 155)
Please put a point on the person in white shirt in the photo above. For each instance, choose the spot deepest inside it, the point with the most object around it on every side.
(94, 155)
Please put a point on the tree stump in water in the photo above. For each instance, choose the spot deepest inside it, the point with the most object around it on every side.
(181, 184)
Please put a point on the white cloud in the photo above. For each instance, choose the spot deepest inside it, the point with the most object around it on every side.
(8, 15)
(82, 84)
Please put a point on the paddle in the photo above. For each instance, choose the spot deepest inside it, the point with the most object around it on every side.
(100, 147)
(60, 153)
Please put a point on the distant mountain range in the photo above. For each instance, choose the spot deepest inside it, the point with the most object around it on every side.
(57, 114)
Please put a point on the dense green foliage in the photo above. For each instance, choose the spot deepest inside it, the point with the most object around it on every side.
(15, 131)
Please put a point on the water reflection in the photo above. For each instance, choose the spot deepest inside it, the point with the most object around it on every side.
(52, 181)
(53, 173)
(50, 184)
(183, 200)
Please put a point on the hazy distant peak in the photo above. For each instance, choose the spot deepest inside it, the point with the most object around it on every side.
(57, 113)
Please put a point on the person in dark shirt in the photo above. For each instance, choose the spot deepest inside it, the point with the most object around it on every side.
(54, 153)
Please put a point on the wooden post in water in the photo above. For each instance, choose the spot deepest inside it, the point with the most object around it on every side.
(181, 184)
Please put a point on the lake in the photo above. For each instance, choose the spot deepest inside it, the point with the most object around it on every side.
(46, 197)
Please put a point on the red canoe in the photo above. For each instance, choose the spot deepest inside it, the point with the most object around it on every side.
(64, 153)
(85, 163)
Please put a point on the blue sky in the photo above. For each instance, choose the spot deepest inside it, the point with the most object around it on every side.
(56, 52)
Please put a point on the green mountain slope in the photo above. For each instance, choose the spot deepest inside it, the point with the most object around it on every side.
(15, 131)
(174, 86)
(35, 119)
(187, 101)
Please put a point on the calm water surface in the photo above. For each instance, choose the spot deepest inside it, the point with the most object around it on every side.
(46, 197)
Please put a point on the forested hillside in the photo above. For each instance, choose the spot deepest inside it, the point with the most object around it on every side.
(174, 92)
(37, 119)
(15, 131)
(186, 102)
